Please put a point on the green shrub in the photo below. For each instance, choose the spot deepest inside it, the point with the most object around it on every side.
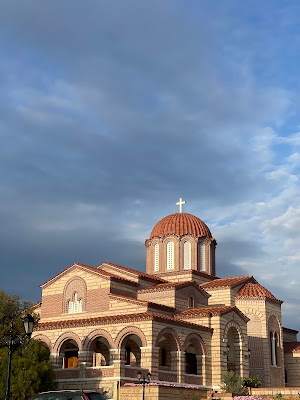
(233, 383)
(252, 382)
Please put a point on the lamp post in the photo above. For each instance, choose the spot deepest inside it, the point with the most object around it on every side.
(144, 380)
(28, 322)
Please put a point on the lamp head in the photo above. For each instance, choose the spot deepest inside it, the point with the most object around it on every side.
(139, 375)
(28, 322)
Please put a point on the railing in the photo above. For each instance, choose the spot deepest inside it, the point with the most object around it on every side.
(193, 379)
(98, 372)
(67, 373)
(131, 372)
(167, 376)
(89, 372)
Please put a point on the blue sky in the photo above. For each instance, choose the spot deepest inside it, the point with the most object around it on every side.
(111, 111)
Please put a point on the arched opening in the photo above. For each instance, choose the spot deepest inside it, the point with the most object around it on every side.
(131, 347)
(69, 354)
(190, 360)
(193, 357)
(233, 350)
(168, 348)
(100, 352)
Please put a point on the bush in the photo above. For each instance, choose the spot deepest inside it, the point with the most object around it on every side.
(252, 382)
(233, 383)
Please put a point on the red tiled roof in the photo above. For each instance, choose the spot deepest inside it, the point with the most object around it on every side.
(93, 270)
(256, 291)
(131, 271)
(116, 319)
(217, 310)
(141, 302)
(227, 282)
(173, 285)
(291, 347)
(180, 224)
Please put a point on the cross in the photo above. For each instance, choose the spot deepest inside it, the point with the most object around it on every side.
(180, 204)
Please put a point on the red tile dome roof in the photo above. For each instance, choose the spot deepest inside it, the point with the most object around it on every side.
(256, 291)
(180, 224)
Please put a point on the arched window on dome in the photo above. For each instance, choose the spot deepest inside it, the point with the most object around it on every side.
(156, 257)
(202, 257)
(75, 305)
(187, 255)
(170, 255)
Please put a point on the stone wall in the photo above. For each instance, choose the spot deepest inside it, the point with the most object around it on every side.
(155, 392)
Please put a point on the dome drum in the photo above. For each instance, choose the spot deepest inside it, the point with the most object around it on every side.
(180, 242)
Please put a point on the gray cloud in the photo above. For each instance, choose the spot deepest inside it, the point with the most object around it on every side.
(111, 111)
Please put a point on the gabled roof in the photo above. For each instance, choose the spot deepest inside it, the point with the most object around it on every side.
(131, 271)
(92, 270)
(210, 311)
(116, 319)
(291, 347)
(174, 285)
(256, 291)
(228, 282)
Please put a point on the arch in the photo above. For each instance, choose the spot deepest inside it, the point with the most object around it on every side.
(94, 335)
(199, 343)
(233, 339)
(64, 337)
(168, 332)
(74, 285)
(45, 340)
(130, 330)
(233, 324)
(194, 348)
(169, 345)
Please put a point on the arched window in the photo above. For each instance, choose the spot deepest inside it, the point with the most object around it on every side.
(191, 301)
(75, 305)
(202, 257)
(156, 257)
(273, 348)
(170, 255)
(187, 255)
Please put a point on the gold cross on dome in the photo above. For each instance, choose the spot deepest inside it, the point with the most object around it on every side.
(180, 204)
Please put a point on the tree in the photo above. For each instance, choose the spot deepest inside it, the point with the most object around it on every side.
(31, 370)
(233, 383)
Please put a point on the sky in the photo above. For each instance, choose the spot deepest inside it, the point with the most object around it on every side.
(110, 111)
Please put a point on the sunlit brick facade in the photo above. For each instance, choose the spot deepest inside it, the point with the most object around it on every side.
(179, 320)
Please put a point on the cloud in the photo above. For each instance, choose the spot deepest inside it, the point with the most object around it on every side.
(112, 111)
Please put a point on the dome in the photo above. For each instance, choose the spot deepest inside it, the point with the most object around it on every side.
(181, 224)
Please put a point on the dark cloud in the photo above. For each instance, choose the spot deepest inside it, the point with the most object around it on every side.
(110, 111)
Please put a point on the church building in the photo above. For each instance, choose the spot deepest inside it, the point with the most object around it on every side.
(178, 320)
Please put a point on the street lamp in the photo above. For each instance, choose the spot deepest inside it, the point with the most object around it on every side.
(28, 322)
(144, 380)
